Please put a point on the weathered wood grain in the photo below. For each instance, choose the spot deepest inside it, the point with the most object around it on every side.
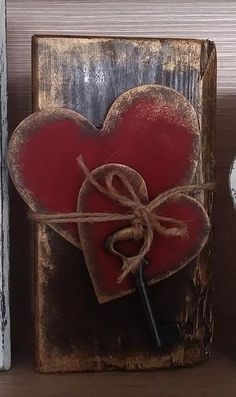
(4, 215)
(74, 332)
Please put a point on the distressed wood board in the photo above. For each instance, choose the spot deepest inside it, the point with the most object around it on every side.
(5, 354)
(232, 182)
(74, 332)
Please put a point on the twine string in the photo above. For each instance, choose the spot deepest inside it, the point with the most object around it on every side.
(143, 217)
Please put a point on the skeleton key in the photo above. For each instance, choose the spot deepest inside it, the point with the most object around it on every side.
(162, 335)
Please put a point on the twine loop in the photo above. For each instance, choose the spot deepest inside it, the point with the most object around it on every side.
(142, 217)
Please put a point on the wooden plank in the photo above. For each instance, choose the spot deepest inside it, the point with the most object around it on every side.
(215, 378)
(197, 19)
(87, 74)
(4, 213)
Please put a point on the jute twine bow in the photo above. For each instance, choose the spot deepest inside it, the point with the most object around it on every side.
(141, 216)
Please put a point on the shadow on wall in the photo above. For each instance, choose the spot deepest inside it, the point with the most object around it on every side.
(224, 266)
(21, 253)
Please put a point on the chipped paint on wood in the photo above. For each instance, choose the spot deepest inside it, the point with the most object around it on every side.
(86, 75)
(4, 214)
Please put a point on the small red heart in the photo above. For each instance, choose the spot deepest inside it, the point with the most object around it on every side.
(166, 256)
(152, 129)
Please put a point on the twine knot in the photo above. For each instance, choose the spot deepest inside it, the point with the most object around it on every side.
(142, 217)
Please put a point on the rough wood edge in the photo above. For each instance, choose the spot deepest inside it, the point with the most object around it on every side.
(203, 272)
(5, 353)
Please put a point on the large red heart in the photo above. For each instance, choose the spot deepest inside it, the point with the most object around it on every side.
(167, 254)
(153, 129)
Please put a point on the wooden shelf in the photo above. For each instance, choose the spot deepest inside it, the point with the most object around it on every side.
(216, 377)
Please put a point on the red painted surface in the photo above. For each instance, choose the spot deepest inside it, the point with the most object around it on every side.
(159, 150)
(167, 254)
(162, 146)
